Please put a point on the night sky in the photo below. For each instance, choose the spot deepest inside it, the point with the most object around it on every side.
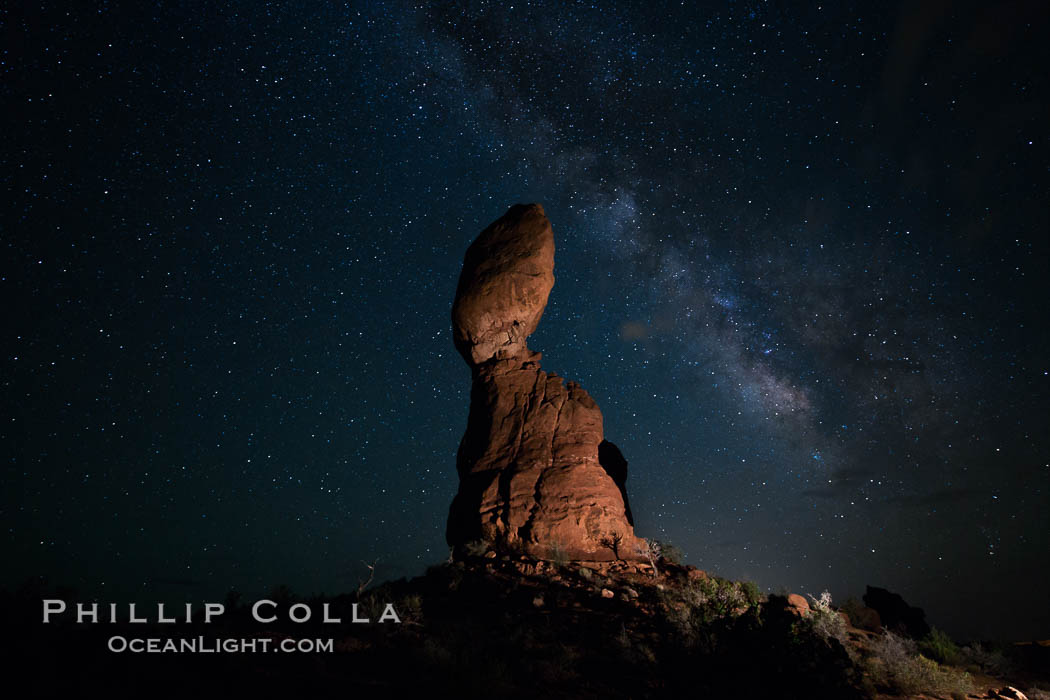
(802, 266)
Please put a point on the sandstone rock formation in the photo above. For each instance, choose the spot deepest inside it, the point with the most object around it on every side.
(865, 618)
(536, 474)
(507, 276)
(895, 614)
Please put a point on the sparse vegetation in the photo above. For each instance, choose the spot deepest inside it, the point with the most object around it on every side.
(652, 553)
(895, 665)
(410, 607)
(941, 648)
(371, 605)
(976, 658)
(558, 555)
(826, 621)
(751, 592)
(685, 633)
(670, 553)
(694, 605)
(854, 609)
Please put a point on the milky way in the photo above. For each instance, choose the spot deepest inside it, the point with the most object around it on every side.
(801, 262)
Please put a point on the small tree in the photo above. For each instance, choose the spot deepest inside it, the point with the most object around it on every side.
(612, 542)
(652, 553)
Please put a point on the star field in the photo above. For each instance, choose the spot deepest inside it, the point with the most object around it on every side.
(801, 266)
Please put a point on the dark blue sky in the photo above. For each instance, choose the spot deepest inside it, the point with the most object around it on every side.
(801, 266)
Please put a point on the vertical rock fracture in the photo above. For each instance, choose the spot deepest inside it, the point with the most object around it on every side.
(535, 474)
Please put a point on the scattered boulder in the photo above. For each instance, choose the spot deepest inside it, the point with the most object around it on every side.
(797, 604)
(792, 605)
(1007, 693)
(696, 574)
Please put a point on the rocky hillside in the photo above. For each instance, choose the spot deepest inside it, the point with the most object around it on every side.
(513, 626)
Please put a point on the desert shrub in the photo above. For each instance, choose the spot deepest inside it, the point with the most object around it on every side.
(678, 612)
(633, 652)
(854, 608)
(453, 578)
(826, 621)
(371, 605)
(715, 598)
(926, 675)
(894, 664)
(410, 607)
(725, 648)
(559, 556)
(888, 652)
(939, 646)
(718, 597)
(692, 607)
(751, 592)
(992, 661)
(670, 553)
(476, 548)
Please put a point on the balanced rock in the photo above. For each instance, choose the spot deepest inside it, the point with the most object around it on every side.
(536, 474)
(507, 276)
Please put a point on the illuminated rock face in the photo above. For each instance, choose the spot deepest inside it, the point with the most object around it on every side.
(507, 276)
(535, 474)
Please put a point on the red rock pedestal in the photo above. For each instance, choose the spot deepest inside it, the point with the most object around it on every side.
(535, 474)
